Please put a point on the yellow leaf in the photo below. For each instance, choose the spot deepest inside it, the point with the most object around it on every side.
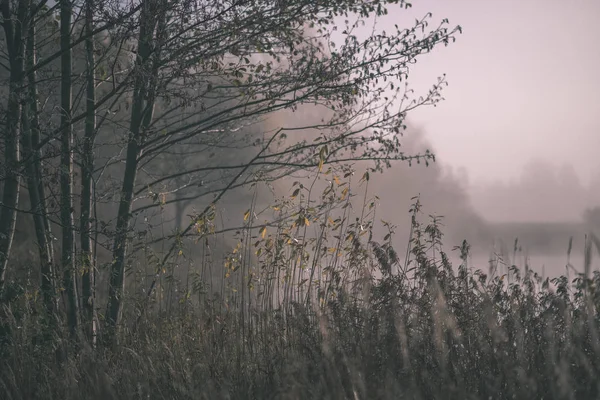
(246, 215)
(306, 221)
(344, 193)
(336, 179)
(263, 231)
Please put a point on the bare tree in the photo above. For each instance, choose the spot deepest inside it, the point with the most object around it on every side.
(152, 18)
(165, 104)
(66, 168)
(35, 184)
(238, 62)
(87, 169)
(15, 24)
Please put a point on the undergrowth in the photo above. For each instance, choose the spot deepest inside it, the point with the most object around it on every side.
(335, 315)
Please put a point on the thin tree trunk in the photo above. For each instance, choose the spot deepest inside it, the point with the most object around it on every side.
(141, 116)
(88, 284)
(35, 186)
(66, 170)
(14, 33)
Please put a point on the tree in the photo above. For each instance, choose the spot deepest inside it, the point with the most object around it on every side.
(87, 169)
(15, 30)
(179, 99)
(29, 27)
(35, 185)
(66, 168)
(211, 49)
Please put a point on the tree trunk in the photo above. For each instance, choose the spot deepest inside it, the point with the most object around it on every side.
(66, 170)
(141, 116)
(35, 187)
(14, 32)
(88, 285)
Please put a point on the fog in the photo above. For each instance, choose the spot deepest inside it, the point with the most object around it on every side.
(544, 192)
(522, 84)
(517, 127)
(515, 137)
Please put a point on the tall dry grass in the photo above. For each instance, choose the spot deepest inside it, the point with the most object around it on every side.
(312, 306)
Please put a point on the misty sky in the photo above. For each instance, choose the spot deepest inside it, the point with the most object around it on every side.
(523, 84)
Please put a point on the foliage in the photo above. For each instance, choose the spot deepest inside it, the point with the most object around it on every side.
(158, 105)
(178, 103)
(366, 324)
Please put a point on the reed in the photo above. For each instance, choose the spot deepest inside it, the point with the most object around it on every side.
(314, 307)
